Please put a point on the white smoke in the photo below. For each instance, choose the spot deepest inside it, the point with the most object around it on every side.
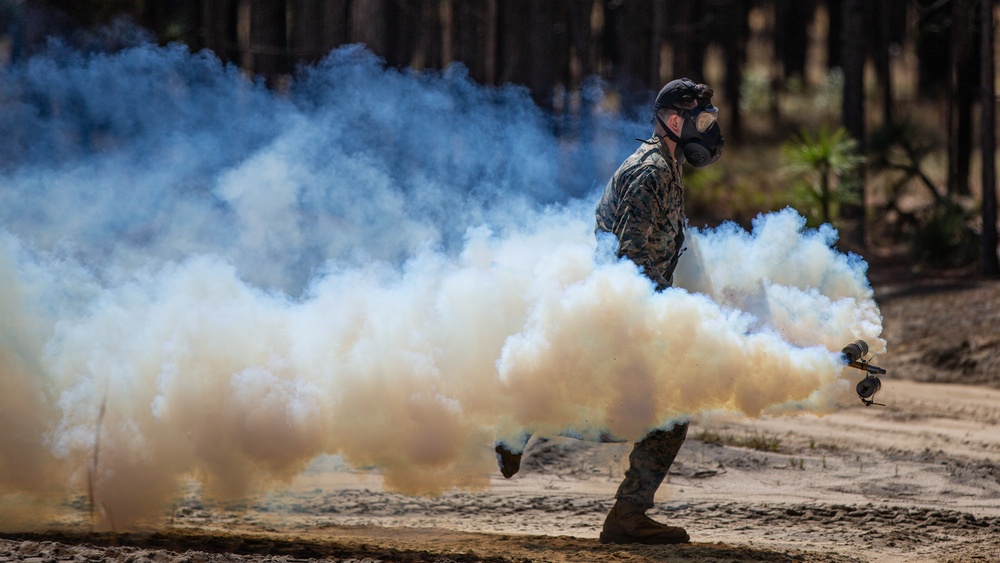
(400, 278)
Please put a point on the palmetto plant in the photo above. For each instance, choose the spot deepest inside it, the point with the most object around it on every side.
(826, 163)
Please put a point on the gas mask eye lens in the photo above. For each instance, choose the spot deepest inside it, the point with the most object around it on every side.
(705, 118)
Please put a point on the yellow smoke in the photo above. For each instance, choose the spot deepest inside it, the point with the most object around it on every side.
(415, 370)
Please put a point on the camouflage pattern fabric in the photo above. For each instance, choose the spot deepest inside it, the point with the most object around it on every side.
(648, 464)
(643, 206)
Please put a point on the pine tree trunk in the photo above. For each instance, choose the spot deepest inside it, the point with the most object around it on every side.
(988, 256)
(880, 31)
(735, 47)
(791, 35)
(306, 39)
(219, 19)
(369, 26)
(541, 43)
(835, 33)
(268, 39)
(853, 55)
(427, 44)
(687, 27)
(932, 49)
(582, 40)
(961, 91)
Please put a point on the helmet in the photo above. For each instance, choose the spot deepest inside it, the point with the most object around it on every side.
(681, 94)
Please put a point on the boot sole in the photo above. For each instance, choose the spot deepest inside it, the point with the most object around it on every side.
(612, 538)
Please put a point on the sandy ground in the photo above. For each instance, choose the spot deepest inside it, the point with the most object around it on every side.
(916, 480)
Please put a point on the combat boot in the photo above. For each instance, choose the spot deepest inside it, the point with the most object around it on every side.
(508, 461)
(627, 523)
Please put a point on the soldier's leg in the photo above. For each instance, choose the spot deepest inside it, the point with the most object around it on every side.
(648, 464)
(509, 454)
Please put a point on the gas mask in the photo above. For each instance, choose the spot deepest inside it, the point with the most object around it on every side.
(700, 141)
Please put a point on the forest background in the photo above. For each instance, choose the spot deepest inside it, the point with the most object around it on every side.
(870, 115)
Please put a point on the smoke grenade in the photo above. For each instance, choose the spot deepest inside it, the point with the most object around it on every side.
(202, 279)
(855, 351)
(855, 356)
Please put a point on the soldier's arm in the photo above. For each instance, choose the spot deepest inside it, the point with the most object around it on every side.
(635, 224)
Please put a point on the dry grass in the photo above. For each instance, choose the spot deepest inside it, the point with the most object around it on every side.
(760, 441)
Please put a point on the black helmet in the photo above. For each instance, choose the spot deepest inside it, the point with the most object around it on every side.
(683, 94)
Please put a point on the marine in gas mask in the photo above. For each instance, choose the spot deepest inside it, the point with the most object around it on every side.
(643, 203)
(699, 141)
(642, 208)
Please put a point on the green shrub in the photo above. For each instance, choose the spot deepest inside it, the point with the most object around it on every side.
(825, 167)
(942, 237)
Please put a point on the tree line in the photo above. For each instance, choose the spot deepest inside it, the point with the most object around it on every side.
(553, 46)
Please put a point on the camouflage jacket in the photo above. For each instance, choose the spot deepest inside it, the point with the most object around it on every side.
(643, 206)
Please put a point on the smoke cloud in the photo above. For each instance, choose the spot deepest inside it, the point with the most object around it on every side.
(200, 278)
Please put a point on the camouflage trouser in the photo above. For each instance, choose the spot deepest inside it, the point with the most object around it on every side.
(649, 462)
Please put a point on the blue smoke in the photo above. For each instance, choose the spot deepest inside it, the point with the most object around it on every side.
(156, 153)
